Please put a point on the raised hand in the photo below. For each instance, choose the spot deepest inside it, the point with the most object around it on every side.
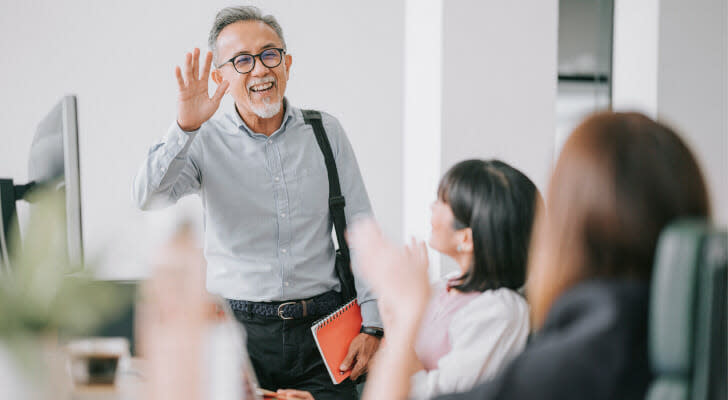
(194, 105)
(397, 274)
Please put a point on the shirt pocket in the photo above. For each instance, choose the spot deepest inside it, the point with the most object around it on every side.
(312, 191)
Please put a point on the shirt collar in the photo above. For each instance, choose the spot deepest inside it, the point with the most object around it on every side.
(288, 115)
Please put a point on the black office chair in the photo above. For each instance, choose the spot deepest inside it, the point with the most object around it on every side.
(688, 313)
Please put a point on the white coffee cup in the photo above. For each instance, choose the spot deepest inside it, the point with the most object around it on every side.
(96, 360)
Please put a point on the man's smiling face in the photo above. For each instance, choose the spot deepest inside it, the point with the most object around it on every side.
(261, 90)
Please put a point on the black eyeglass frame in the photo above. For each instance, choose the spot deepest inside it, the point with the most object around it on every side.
(281, 52)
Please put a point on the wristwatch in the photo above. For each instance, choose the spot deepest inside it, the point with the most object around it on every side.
(372, 330)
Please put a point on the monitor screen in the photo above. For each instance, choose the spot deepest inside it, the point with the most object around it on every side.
(54, 162)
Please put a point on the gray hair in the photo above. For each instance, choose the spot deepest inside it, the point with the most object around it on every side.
(230, 15)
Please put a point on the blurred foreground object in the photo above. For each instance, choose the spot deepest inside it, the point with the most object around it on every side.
(39, 303)
(194, 350)
(172, 319)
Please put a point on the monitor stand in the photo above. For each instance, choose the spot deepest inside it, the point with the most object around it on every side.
(9, 194)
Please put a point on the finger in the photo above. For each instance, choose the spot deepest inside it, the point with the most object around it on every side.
(196, 62)
(206, 68)
(188, 68)
(180, 80)
(349, 359)
(221, 88)
(423, 250)
(412, 247)
(359, 369)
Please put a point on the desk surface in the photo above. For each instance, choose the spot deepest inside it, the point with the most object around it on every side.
(129, 385)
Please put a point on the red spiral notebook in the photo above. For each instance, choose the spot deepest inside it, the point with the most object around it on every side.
(333, 335)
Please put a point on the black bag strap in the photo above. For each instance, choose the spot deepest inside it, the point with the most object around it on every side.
(336, 201)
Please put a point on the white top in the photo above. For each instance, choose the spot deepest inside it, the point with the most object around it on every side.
(483, 335)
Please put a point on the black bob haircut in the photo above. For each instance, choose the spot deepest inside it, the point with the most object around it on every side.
(498, 202)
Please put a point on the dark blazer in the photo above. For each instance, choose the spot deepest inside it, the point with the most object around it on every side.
(593, 346)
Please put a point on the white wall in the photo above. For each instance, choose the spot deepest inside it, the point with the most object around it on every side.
(119, 58)
(691, 88)
(499, 84)
(671, 61)
(634, 59)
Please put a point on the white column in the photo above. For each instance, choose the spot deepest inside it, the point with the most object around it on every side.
(499, 84)
(422, 117)
(634, 57)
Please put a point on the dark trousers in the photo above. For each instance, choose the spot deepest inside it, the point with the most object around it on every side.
(285, 356)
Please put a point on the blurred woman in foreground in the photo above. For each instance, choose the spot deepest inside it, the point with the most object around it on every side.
(620, 179)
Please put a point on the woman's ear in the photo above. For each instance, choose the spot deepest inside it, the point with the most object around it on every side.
(465, 239)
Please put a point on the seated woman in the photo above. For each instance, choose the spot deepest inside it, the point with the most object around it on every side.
(476, 321)
(620, 179)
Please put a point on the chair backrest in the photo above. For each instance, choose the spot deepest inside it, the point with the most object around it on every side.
(688, 313)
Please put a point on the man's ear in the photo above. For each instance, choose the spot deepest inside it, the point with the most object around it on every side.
(289, 61)
(216, 76)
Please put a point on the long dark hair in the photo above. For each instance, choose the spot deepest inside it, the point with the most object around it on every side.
(620, 179)
(497, 202)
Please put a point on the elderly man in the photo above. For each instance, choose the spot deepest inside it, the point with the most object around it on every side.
(264, 186)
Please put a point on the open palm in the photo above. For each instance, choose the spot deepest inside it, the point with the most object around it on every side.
(194, 105)
(397, 274)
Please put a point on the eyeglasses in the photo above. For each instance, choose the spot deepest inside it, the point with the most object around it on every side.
(244, 63)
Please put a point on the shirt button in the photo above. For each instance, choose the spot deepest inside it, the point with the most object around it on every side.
(283, 215)
(277, 178)
(283, 251)
(285, 283)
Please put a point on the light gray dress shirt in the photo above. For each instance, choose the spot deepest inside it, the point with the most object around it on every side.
(265, 199)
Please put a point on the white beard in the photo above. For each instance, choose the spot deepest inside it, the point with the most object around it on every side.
(267, 110)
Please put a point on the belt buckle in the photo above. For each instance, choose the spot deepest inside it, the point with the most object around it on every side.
(280, 311)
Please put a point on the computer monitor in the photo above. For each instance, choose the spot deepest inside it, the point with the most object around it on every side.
(53, 163)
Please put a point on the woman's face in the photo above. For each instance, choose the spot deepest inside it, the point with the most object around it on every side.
(443, 238)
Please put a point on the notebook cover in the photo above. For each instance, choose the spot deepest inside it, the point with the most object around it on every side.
(333, 335)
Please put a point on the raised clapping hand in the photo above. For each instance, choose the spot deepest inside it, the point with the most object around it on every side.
(172, 318)
(399, 277)
(194, 105)
(397, 274)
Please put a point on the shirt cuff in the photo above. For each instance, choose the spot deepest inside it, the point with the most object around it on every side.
(177, 140)
(176, 124)
(370, 314)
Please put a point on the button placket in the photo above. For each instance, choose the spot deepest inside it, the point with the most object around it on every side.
(281, 204)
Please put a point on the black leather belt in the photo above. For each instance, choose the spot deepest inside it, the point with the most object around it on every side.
(317, 306)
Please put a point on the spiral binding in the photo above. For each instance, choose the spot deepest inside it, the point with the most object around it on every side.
(334, 315)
